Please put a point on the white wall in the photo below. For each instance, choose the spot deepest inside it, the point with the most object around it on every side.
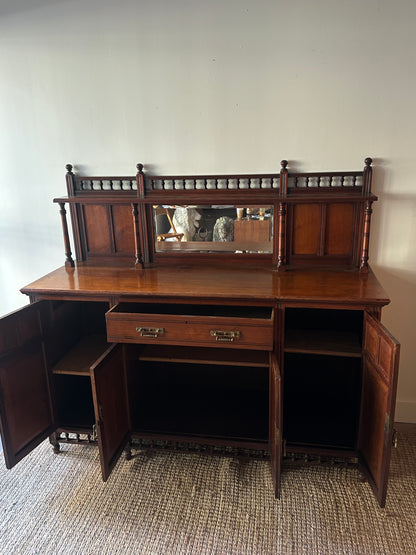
(208, 86)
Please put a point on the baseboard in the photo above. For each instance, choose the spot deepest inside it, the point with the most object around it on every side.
(405, 412)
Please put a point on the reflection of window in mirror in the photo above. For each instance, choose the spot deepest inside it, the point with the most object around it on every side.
(215, 228)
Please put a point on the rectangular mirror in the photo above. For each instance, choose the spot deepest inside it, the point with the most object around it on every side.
(213, 228)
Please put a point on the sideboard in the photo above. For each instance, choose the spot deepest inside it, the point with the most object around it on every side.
(170, 327)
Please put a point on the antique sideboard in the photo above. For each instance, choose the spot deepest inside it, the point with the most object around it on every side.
(234, 311)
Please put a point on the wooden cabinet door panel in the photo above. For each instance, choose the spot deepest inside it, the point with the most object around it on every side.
(26, 417)
(109, 387)
(380, 369)
(275, 425)
(307, 229)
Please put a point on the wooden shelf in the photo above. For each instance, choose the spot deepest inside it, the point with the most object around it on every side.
(200, 355)
(327, 342)
(80, 358)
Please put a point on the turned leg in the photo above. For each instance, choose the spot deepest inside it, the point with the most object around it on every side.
(127, 451)
(54, 441)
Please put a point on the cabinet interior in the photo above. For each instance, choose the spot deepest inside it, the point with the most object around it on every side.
(322, 377)
(193, 393)
(226, 311)
(78, 329)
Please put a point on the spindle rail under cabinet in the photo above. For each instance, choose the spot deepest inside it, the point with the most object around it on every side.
(173, 327)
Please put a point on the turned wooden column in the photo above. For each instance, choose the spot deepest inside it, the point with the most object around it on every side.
(75, 212)
(142, 218)
(366, 236)
(367, 178)
(137, 246)
(68, 254)
(279, 251)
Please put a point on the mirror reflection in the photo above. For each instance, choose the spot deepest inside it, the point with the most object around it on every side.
(213, 228)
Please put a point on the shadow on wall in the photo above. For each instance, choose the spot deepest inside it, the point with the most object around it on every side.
(399, 318)
(11, 7)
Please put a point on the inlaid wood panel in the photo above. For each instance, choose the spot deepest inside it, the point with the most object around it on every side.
(108, 230)
(306, 230)
(97, 229)
(340, 229)
(122, 221)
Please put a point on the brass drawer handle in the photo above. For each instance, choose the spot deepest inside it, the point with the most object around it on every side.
(225, 336)
(150, 332)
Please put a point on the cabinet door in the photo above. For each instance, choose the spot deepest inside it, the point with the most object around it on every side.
(25, 406)
(380, 369)
(275, 423)
(109, 387)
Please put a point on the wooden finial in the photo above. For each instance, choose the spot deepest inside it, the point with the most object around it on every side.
(367, 176)
(283, 178)
(139, 168)
(69, 168)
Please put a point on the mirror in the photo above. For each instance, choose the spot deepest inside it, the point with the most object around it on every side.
(213, 228)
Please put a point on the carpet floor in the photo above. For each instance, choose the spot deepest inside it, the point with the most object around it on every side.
(173, 503)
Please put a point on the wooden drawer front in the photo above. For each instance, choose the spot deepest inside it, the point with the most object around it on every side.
(178, 329)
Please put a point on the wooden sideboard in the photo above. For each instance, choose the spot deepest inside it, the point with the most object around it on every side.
(278, 348)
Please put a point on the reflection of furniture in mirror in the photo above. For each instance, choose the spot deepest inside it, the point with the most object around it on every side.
(168, 212)
(208, 226)
(252, 230)
(205, 350)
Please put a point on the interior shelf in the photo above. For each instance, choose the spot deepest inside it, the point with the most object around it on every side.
(323, 342)
(78, 360)
(200, 355)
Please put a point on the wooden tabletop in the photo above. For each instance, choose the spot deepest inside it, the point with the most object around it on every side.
(236, 282)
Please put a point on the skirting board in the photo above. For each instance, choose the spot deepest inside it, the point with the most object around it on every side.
(405, 412)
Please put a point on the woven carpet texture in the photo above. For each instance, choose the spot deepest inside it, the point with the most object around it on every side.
(176, 503)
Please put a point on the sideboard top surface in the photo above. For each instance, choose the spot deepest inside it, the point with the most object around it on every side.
(231, 282)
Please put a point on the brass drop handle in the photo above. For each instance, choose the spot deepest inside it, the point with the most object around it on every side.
(225, 336)
(150, 332)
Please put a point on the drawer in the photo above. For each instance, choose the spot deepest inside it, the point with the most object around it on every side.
(245, 327)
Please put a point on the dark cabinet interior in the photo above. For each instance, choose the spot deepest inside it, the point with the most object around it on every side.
(321, 401)
(74, 338)
(208, 394)
(198, 395)
(322, 378)
(74, 408)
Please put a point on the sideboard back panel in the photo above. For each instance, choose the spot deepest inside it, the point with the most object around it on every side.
(108, 230)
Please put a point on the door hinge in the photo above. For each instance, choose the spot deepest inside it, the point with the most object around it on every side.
(386, 423)
(394, 438)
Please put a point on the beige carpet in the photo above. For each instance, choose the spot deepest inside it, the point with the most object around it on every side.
(162, 503)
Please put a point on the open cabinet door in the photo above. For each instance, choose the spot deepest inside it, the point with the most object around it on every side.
(109, 387)
(380, 369)
(26, 417)
(275, 424)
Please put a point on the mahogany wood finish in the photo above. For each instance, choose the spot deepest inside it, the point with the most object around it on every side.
(112, 415)
(319, 218)
(220, 348)
(381, 356)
